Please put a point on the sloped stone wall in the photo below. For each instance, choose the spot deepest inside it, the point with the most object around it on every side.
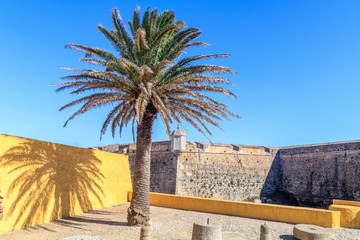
(222, 175)
(315, 175)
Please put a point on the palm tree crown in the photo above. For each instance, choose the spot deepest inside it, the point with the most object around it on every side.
(147, 71)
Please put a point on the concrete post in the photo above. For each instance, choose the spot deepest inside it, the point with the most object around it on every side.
(206, 232)
(265, 232)
(145, 233)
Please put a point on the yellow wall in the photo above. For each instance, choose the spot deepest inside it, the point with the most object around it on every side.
(350, 212)
(42, 181)
(320, 217)
(345, 202)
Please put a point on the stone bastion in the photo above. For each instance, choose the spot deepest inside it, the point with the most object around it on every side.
(306, 175)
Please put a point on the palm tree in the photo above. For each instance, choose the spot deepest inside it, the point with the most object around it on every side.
(144, 78)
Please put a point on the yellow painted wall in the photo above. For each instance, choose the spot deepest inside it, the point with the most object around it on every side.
(350, 212)
(345, 202)
(350, 215)
(42, 181)
(320, 217)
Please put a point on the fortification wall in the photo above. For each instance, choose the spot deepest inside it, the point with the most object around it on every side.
(212, 171)
(315, 174)
(163, 171)
(309, 175)
(222, 175)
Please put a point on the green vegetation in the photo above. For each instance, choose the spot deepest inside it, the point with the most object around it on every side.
(144, 78)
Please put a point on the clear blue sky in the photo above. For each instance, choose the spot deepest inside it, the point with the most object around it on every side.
(298, 65)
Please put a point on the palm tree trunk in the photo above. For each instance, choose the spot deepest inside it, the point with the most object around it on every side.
(139, 210)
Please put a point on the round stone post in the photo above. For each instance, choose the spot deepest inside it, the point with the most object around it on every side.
(265, 232)
(310, 232)
(206, 232)
(145, 233)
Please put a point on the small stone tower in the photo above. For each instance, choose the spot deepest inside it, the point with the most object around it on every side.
(178, 140)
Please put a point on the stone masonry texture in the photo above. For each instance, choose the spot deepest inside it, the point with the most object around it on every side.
(308, 175)
(316, 174)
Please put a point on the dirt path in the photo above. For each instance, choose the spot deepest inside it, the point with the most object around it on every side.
(167, 224)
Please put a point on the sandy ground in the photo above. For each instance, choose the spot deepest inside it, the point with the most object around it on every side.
(167, 224)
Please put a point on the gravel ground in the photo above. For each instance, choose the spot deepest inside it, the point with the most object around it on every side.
(167, 224)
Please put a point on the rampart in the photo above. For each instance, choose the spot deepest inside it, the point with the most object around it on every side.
(307, 175)
(222, 171)
(222, 175)
(313, 175)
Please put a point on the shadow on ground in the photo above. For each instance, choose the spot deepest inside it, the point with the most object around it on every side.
(286, 237)
(79, 220)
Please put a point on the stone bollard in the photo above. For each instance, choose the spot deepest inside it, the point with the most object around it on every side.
(206, 232)
(145, 233)
(265, 232)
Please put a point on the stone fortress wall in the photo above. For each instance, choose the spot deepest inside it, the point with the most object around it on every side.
(308, 175)
(313, 175)
(230, 172)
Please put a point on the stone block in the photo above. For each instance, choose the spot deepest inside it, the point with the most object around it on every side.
(256, 200)
(310, 232)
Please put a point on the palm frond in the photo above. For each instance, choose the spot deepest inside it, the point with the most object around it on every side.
(145, 71)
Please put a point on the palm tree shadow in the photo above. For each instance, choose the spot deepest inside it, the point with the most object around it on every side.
(77, 221)
(51, 180)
